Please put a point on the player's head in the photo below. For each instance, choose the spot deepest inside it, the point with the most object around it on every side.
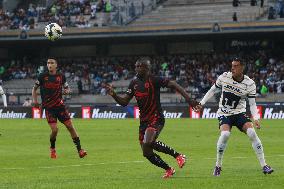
(143, 66)
(51, 64)
(237, 67)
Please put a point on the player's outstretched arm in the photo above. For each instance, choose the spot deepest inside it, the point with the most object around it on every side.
(121, 100)
(178, 88)
(210, 93)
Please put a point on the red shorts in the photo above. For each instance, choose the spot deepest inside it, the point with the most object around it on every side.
(156, 124)
(60, 113)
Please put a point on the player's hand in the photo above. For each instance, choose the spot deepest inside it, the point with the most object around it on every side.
(66, 91)
(257, 124)
(35, 105)
(109, 89)
(196, 106)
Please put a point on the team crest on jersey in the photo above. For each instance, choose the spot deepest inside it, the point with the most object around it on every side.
(58, 78)
(146, 85)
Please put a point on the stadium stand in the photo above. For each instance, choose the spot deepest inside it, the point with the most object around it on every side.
(186, 11)
(195, 72)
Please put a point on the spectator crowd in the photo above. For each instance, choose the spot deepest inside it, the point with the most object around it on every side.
(67, 13)
(195, 72)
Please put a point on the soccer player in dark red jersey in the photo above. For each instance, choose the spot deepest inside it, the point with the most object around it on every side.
(51, 85)
(146, 89)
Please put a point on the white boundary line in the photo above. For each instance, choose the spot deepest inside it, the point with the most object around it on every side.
(76, 165)
(108, 163)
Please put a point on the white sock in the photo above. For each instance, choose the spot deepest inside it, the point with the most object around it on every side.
(256, 145)
(221, 146)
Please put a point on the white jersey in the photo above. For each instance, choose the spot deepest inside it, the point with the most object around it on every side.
(234, 94)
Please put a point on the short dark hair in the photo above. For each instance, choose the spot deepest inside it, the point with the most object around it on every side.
(53, 58)
(145, 60)
(237, 59)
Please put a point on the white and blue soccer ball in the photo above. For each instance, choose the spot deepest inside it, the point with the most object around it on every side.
(53, 31)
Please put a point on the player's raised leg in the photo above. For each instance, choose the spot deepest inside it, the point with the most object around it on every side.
(257, 147)
(82, 153)
(149, 138)
(162, 147)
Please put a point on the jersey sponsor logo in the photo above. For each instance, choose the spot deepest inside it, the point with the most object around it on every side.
(208, 114)
(12, 114)
(141, 95)
(233, 88)
(107, 114)
(51, 85)
(270, 114)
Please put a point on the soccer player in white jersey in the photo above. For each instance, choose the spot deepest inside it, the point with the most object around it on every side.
(235, 88)
(3, 94)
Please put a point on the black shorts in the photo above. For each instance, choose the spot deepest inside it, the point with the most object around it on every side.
(156, 124)
(61, 113)
(237, 120)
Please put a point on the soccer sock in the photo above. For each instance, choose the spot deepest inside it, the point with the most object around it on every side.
(161, 147)
(221, 146)
(77, 143)
(157, 160)
(256, 145)
(52, 142)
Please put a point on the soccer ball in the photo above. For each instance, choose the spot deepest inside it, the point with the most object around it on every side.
(53, 31)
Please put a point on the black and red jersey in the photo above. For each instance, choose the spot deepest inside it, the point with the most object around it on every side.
(51, 89)
(147, 94)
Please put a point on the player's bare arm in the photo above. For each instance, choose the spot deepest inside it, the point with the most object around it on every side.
(34, 95)
(178, 88)
(122, 100)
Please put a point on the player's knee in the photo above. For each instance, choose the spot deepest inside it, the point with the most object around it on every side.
(251, 133)
(225, 134)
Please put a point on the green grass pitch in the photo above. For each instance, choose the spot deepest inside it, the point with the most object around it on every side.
(115, 160)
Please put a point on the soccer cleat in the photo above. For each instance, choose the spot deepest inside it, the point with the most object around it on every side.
(53, 153)
(169, 173)
(82, 153)
(267, 169)
(217, 171)
(181, 160)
